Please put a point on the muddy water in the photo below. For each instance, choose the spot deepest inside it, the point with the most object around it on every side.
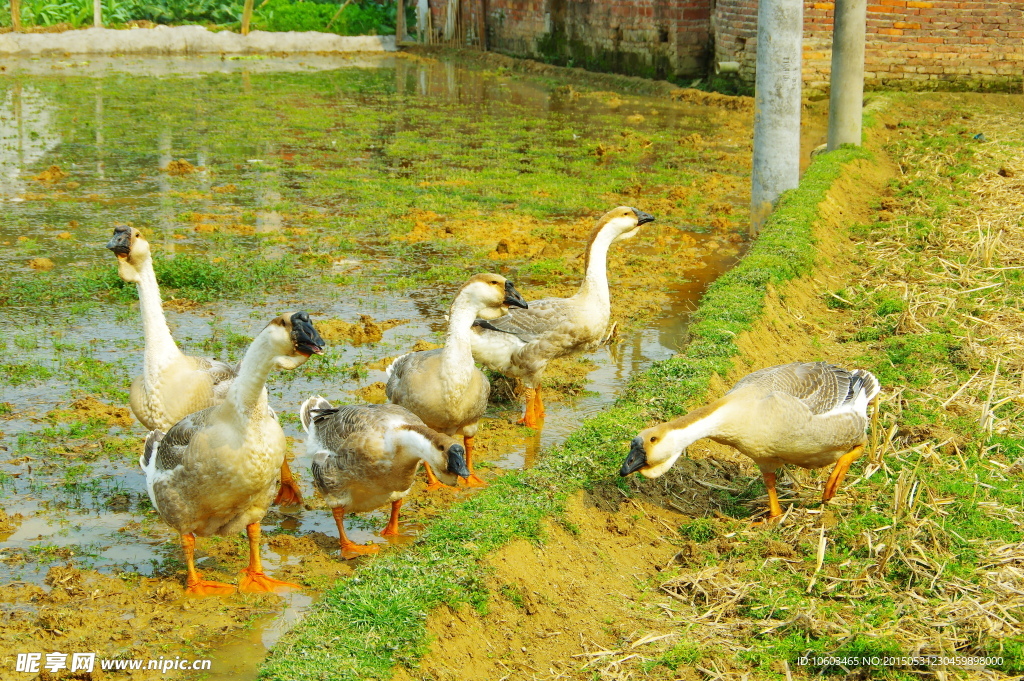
(277, 163)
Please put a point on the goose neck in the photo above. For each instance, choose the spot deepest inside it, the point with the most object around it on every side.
(595, 281)
(160, 346)
(247, 390)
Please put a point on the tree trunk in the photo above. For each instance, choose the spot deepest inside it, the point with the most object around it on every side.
(16, 15)
(97, 13)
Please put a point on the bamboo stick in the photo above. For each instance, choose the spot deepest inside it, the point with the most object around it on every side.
(246, 16)
(400, 23)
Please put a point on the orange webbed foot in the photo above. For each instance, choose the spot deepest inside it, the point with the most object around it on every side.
(389, 532)
(437, 484)
(288, 494)
(257, 582)
(350, 550)
(202, 587)
(474, 481)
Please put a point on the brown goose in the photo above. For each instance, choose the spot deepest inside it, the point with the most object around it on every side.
(364, 456)
(216, 471)
(443, 386)
(522, 342)
(173, 384)
(809, 414)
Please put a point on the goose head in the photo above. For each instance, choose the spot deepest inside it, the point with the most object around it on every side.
(487, 290)
(454, 456)
(653, 451)
(624, 222)
(294, 339)
(132, 251)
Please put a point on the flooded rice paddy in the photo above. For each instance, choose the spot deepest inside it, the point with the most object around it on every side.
(362, 190)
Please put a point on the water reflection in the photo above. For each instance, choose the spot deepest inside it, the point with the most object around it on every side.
(27, 134)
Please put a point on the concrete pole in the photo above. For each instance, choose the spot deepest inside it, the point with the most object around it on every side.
(846, 98)
(97, 13)
(776, 105)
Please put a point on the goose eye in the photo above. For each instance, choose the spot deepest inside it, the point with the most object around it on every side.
(440, 448)
(654, 439)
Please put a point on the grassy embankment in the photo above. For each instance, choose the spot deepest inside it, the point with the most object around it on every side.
(922, 553)
(365, 625)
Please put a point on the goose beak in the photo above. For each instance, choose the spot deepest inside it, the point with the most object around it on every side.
(512, 297)
(637, 458)
(304, 335)
(457, 461)
(643, 218)
(121, 242)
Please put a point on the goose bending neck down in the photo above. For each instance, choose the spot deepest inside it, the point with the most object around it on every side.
(172, 384)
(809, 414)
(216, 470)
(364, 456)
(522, 342)
(443, 387)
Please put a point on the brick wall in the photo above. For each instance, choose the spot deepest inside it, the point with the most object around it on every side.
(936, 40)
(915, 40)
(655, 38)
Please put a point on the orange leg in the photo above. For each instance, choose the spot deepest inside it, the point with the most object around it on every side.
(534, 413)
(392, 529)
(432, 482)
(774, 509)
(529, 417)
(195, 585)
(839, 472)
(350, 549)
(253, 580)
(288, 493)
(472, 480)
(538, 408)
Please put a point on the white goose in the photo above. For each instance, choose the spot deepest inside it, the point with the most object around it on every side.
(809, 414)
(216, 471)
(364, 456)
(172, 384)
(522, 342)
(443, 386)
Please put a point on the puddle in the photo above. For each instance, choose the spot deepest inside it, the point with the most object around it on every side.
(344, 187)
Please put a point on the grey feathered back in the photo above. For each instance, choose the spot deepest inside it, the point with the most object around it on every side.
(819, 385)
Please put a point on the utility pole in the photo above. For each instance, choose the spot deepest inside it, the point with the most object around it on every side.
(776, 166)
(846, 87)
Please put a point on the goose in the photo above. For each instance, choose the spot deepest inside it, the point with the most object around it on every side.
(364, 456)
(173, 384)
(809, 414)
(521, 343)
(216, 471)
(443, 387)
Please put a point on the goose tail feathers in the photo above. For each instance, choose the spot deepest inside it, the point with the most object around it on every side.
(150, 449)
(863, 388)
(309, 409)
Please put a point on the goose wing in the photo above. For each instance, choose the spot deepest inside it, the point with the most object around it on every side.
(820, 386)
(404, 366)
(170, 449)
(531, 323)
(334, 426)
